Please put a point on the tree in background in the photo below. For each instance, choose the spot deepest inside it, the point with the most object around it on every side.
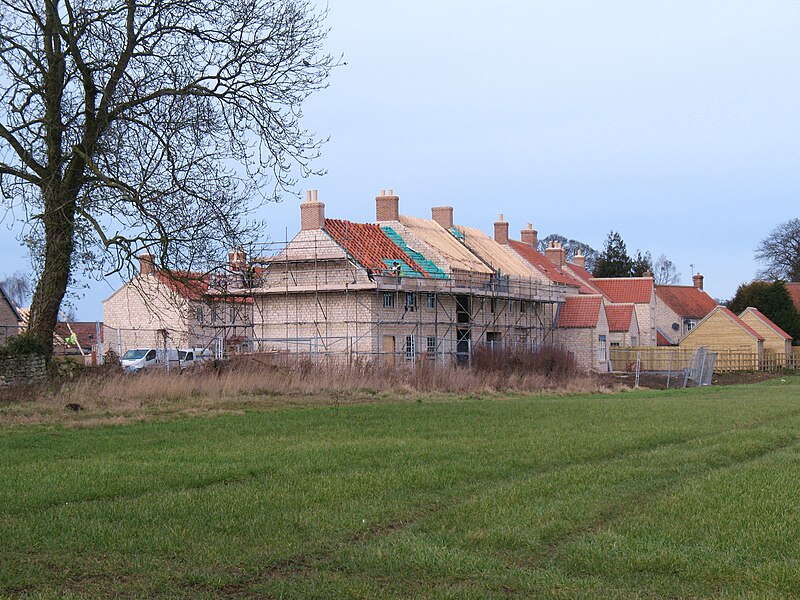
(149, 126)
(613, 260)
(642, 265)
(17, 287)
(571, 247)
(665, 272)
(772, 299)
(780, 253)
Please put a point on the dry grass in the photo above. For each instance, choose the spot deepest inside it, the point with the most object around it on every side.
(253, 383)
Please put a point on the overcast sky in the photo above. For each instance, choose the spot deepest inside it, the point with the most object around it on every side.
(675, 123)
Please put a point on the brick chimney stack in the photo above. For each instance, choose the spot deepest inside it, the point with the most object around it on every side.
(387, 206)
(237, 260)
(146, 264)
(443, 215)
(697, 280)
(530, 236)
(556, 253)
(501, 231)
(312, 212)
(579, 260)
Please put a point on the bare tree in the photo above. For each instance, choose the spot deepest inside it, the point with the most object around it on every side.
(665, 272)
(128, 125)
(780, 253)
(17, 287)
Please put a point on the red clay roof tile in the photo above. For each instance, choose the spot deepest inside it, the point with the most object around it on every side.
(619, 316)
(367, 244)
(580, 311)
(767, 321)
(794, 292)
(686, 300)
(638, 290)
(546, 266)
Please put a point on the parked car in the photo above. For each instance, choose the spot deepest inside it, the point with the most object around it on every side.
(135, 360)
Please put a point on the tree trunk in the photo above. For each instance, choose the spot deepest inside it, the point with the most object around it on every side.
(52, 286)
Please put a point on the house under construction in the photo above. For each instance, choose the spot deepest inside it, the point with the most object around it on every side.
(403, 288)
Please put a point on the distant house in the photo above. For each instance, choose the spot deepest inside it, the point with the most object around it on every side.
(88, 335)
(10, 319)
(722, 331)
(623, 325)
(679, 308)
(176, 309)
(639, 291)
(776, 340)
(585, 330)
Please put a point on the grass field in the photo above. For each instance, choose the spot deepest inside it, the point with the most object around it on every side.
(637, 495)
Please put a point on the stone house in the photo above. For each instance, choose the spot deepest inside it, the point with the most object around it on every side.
(679, 308)
(10, 319)
(583, 330)
(639, 291)
(623, 325)
(159, 309)
(401, 289)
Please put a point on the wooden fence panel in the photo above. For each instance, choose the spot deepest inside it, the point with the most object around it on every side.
(677, 359)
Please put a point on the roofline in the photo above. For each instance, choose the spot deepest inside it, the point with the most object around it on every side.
(766, 321)
(11, 304)
(728, 314)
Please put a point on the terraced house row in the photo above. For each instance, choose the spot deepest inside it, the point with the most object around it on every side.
(402, 288)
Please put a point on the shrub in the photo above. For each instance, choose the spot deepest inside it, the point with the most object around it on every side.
(21, 345)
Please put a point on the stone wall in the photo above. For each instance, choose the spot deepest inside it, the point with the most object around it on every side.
(27, 369)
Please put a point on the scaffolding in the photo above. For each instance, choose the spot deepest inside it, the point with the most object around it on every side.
(310, 297)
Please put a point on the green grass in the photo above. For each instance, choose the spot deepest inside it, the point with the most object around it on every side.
(639, 495)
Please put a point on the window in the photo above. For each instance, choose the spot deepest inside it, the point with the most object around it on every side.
(431, 347)
(232, 313)
(602, 349)
(431, 300)
(150, 355)
(523, 306)
(493, 339)
(388, 299)
(410, 347)
(690, 324)
(493, 305)
(200, 314)
(214, 313)
(410, 300)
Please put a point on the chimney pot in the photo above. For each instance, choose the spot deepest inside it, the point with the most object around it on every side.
(530, 236)
(443, 215)
(697, 280)
(501, 231)
(556, 254)
(387, 206)
(312, 213)
(146, 263)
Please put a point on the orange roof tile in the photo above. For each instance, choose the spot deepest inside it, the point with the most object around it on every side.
(687, 301)
(661, 340)
(638, 290)
(582, 275)
(766, 320)
(191, 286)
(619, 316)
(368, 244)
(546, 266)
(85, 332)
(580, 311)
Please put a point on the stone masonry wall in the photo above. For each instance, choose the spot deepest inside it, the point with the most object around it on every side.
(26, 369)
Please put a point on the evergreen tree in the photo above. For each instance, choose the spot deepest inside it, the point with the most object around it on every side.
(642, 265)
(613, 260)
(773, 300)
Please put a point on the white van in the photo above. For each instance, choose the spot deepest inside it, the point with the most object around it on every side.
(137, 359)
